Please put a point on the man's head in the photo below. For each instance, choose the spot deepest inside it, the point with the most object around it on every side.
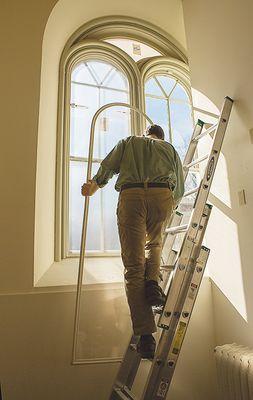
(155, 130)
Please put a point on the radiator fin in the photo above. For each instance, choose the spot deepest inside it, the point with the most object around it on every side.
(234, 371)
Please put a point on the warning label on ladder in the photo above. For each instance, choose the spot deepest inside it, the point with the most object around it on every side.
(162, 390)
(179, 337)
(192, 291)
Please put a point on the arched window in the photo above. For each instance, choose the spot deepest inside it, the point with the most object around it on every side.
(102, 72)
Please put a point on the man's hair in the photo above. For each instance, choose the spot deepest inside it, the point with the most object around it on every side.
(155, 130)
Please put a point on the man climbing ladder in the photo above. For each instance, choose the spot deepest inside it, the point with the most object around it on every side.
(151, 184)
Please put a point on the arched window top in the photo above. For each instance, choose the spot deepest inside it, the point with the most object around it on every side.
(99, 73)
(166, 66)
(112, 27)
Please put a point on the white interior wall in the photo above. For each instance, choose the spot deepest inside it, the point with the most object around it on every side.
(37, 325)
(219, 38)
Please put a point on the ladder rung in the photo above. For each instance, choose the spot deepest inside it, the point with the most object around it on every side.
(191, 192)
(177, 229)
(166, 267)
(124, 394)
(206, 132)
(197, 161)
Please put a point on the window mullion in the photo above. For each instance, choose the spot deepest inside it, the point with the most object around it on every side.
(169, 120)
(99, 86)
(160, 86)
(154, 96)
(170, 93)
(107, 75)
(93, 74)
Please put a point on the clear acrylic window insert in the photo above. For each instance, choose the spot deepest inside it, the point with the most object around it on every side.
(93, 84)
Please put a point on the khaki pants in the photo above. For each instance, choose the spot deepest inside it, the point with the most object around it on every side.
(142, 214)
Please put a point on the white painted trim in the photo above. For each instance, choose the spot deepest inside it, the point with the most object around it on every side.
(86, 43)
(165, 66)
(89, 49)
(132, 28)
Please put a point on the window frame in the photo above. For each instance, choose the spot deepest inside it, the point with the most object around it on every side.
(84, 51)
(82, 46)
(166, 66)
(102, 252)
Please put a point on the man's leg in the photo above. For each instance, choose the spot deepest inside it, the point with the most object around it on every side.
(160, 207)
(131, 214)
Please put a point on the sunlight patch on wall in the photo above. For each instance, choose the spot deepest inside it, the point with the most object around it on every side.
(225, 260)
(203, 102)
(220, 186)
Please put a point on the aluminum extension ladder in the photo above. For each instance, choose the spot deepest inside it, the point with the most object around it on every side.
(181, 274)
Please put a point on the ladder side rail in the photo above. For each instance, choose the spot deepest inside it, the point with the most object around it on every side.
(171, 342)
(167, 335)
(206, 132)
(188, 251)
(168, 240)
(190, 153)
(123, 394)
(193, 145)
(187, 159)
(200, 202)
(128, 366)
(167, 276)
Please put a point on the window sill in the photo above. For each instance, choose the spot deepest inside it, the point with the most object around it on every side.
(98, 271)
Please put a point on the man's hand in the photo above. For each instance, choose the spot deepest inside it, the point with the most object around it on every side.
(89, 188)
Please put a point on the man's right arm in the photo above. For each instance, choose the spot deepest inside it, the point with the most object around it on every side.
(109, 167)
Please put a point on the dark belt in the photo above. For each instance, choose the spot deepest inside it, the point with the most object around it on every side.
(144, 185)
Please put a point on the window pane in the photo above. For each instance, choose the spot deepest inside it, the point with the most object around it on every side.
(181, 125)
(157, 110)
(151, 87)
(179, 93)
(116, 80)
(80, 132)
(114, 122)
(77, 176)
(110, 199)
(99, 70)
(82, 74)
(80, 118)
(84, 95)
(166, 82)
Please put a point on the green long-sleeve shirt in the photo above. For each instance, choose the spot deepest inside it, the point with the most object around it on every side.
(141, 159)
